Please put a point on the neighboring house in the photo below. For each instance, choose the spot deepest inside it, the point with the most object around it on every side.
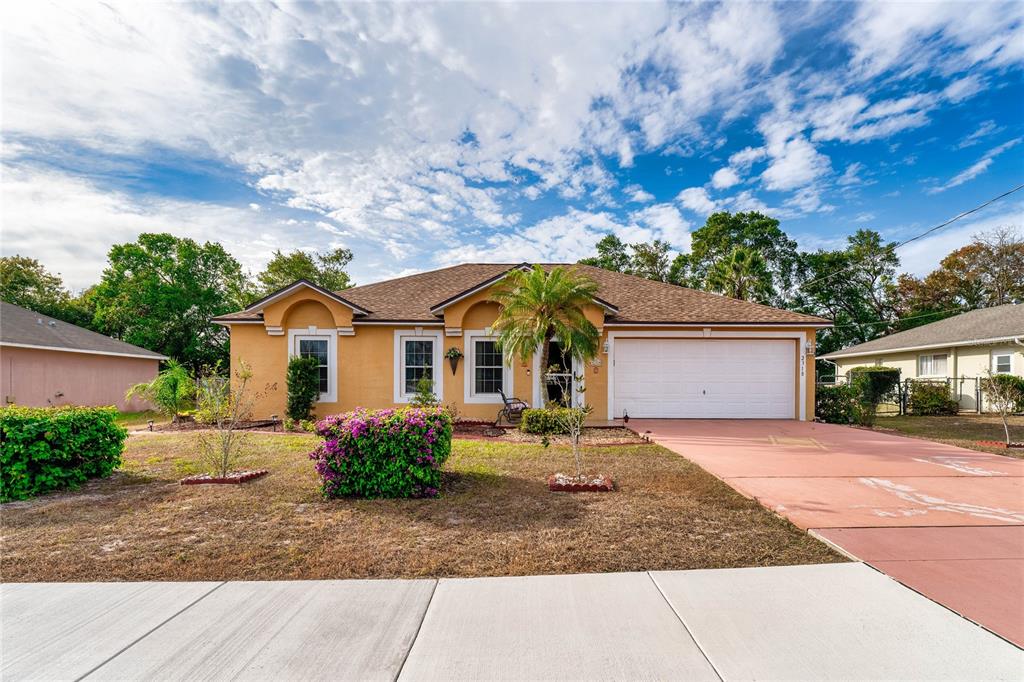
(961, 347)
(666, 351)
(44, 361)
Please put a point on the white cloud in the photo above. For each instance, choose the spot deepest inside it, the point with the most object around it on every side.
(963, 88)
(986, 129)
(724, 178)
(746, 157)
(851, 176)
(795, 163)
(697, 200)
(975, 169)
(638, 194)
(865, 217)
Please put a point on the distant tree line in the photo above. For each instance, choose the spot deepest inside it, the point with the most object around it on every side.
(160, 291)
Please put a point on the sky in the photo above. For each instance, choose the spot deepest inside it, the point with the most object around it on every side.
(424, 135)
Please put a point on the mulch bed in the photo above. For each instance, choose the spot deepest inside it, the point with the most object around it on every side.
(234, 477)
(998, 444)
(593, 436)
(255, 425)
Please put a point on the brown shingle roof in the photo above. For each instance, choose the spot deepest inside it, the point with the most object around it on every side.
(23, 327)
(637, 299)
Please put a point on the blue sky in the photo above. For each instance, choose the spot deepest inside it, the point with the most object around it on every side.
(422, 135)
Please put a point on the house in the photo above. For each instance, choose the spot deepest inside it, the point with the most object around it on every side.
(666, 351)
(44, 361)
(961, 348)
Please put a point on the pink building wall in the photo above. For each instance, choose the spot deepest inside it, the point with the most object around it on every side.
(37, 378)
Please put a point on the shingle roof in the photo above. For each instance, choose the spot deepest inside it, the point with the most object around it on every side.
(638, 300)
(23, 327)
(999, 322)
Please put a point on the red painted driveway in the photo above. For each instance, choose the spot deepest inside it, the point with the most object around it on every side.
(945, 521)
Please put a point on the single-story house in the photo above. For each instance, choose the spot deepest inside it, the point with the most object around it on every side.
(666, 351)
(962, 347)
(44, 361)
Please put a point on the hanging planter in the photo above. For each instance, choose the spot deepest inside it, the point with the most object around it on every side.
(454, 355)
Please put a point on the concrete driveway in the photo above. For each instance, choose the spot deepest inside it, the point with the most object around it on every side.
(945, 521)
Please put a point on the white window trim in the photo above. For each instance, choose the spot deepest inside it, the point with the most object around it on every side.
(331, 336)
(932, 356)
(469, 395)
(1004, 351)
(399, 375)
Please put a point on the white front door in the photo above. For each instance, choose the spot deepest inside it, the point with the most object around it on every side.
(705, 378)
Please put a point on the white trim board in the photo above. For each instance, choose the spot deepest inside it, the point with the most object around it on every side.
(800, 337)
(904, 349)
(331, 336)
(399, 379)
(81, 350)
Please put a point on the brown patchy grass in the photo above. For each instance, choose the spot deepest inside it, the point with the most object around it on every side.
(496, 517)
(963, 430)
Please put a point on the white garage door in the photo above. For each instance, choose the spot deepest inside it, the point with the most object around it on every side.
(709, 378)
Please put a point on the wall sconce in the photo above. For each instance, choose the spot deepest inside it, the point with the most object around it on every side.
(808, 348)
(604, 347)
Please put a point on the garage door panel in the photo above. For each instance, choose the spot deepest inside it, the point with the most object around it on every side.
(709, 378)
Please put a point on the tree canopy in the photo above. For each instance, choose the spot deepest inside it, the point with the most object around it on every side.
(325, 269)
(26, 283)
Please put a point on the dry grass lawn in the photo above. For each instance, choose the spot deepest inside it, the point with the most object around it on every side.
(963, 430)
(496, 517)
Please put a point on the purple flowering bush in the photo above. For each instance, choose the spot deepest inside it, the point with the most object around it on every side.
(383, 453)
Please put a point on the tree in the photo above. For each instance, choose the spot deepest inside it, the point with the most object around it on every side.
(26, 283)
(742, 274)
(650, 261)
(1005, 392)
(854, 287)
(160, 292)
(723, 232)
(538, 306)
(170, 391)
(230, 407)
(323, 269)
(611, 255)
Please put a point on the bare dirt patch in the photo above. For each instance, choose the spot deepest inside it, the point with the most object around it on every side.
(496, 517)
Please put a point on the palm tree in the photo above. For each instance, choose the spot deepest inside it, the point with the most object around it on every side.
(742, 274)
(538, 306)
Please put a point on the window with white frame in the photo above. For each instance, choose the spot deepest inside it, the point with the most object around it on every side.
(322, 348)
(932, 365)
(1002, 362)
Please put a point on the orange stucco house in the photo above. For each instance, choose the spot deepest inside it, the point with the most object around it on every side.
(666, 351)
(45, 361)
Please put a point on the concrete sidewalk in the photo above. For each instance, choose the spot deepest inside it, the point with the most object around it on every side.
(945, 521)
(836, 621)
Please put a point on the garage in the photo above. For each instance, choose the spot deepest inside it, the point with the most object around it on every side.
(704, 378)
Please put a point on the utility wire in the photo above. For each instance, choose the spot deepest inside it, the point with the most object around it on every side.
(896, 245)
(901, 319)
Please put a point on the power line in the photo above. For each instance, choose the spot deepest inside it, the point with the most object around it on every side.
(901, 319)
(896, 245)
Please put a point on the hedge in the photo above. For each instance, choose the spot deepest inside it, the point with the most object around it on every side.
(56, 448)
(543, 421)
(383, 453)
(836, 404)
(930, 398)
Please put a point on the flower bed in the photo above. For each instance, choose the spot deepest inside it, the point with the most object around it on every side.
(234, 477)
(563, 483)
(998, 444)
(383, 453)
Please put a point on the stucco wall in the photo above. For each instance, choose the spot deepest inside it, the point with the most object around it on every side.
(366, 360)
(963, 361)
(39, 378)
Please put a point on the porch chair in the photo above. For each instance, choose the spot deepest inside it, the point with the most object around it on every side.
(512, 410)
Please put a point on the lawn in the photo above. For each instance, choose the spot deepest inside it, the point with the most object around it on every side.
(963, 430)
(138, 420)
(495, 517)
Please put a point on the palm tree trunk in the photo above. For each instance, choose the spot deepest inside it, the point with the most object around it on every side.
(543, 369)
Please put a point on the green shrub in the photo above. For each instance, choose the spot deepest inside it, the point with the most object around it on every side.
(930, 398)
(170, 391)
(836, 404)
(872, 384)
(303, 381)
(383, 453)
(1012, 385)
(543, 421)
(424, 396)
(56, 448)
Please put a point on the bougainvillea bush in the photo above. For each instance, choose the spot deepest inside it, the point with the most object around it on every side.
(54, 448)
(383, 453)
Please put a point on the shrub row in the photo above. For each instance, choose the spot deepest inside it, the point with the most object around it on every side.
(383, 453)
(54, 448)
(836, 404)
(543, 421)
(929, 399)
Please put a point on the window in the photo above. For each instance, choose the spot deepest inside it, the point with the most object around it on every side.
(931, 365)
(317, 348)
(418, 362)
(488, 367)
(321, 345)
(1002, 362)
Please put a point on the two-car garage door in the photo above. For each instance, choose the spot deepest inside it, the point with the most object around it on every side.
(704, 378)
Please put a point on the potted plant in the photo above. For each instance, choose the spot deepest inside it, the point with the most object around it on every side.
(454, 355)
